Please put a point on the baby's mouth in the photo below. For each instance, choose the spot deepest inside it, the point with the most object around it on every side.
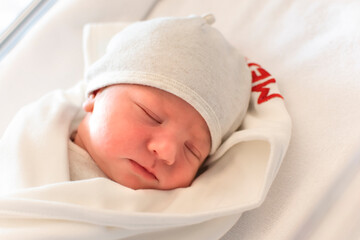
(142, 170)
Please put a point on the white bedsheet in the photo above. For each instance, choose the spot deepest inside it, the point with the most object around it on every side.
(311, 47)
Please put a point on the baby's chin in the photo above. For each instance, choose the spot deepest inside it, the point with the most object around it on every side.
(139, 185)
(135, 183)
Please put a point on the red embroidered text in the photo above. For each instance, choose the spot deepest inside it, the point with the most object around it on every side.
(258, 74)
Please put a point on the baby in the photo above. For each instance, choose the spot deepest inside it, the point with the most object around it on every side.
(165, 95)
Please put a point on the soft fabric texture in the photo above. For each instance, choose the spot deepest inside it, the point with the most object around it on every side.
(81, 165)
(38, 197)
(186, 57)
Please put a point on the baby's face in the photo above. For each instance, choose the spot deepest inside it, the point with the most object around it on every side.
(143, 137)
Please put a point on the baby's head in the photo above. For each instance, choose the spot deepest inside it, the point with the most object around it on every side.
(164, 96)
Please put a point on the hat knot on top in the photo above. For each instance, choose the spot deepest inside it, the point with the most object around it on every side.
(185, 57)
(209, 18)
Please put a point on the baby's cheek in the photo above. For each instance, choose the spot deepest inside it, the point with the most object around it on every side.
(181, 176)
(104, 142)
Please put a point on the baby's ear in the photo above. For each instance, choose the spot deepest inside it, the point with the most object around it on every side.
(88, 105)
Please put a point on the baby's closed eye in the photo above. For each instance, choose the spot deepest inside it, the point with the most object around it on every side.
(193, 150)
(150, 114)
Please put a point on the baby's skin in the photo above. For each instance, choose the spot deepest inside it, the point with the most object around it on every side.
(143, 137)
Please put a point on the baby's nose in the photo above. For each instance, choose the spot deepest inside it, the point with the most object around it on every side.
(164, 148)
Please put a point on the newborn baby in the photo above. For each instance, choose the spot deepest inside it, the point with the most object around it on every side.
(165, 95)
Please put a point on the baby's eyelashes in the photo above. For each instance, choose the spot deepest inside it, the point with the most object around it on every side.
(193, 150)
(150, 114)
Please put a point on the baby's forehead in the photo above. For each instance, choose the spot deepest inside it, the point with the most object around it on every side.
(141, 90)
(157, 97)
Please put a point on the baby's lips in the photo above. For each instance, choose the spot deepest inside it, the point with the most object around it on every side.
(141, 167)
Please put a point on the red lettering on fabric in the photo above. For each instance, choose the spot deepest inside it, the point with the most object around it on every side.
(258, 74)
(264, 91)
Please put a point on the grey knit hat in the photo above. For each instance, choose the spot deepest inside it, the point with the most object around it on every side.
(186, 57)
